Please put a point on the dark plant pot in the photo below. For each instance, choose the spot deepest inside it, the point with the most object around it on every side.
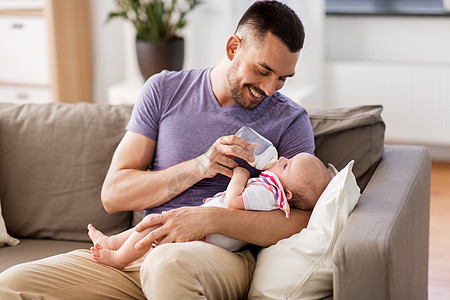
(155, 57)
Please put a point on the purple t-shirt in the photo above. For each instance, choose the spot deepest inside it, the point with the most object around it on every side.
(180, 112)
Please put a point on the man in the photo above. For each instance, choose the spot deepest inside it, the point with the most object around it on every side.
(180, 148)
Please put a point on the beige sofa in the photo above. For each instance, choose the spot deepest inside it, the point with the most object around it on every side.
(53, 159)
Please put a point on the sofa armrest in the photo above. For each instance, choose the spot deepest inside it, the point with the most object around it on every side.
(382, 252)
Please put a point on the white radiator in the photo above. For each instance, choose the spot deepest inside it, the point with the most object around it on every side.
(416, 99)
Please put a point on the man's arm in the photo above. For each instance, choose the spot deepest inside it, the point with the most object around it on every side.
(129, 186)
(263, 228)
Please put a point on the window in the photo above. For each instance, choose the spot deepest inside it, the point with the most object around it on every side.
(387, 7)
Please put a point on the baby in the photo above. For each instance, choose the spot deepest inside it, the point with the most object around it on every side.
(296, 182)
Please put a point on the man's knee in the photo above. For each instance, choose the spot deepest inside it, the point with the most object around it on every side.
(195, 270)
(170, 272)
(166, 262)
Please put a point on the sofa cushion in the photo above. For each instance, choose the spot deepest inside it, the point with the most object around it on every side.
(301, 267)
(33, 249)
(354, 133)
(54, 158)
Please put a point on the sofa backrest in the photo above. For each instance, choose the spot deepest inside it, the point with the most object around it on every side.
(53, 160)
(351, 133)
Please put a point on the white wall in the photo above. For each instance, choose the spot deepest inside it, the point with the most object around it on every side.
(419, 40)
(107, 49)
(400, 62)
(309, 70)
(209, 26)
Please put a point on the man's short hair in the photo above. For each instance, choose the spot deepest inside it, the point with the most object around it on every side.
(277, 18)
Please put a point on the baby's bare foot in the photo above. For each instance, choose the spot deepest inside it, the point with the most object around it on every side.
(106, 257)
(98, 237)
(95, 251)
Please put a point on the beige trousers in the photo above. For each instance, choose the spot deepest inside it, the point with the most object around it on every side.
(195, 270)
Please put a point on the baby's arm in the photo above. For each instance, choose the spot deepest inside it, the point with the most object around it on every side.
(233, 196)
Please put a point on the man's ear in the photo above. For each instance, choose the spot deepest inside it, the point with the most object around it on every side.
(233, 44)
(288, 194)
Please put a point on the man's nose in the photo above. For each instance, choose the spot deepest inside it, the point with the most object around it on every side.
(269, 86)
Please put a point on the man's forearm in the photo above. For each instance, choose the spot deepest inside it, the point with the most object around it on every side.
(263, 228)
(128, 186)
(130, 189)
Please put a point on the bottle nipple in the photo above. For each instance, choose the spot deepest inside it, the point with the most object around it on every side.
(269, 164)
(267, 159)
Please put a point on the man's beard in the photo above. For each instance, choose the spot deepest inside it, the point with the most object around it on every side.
(236, 91)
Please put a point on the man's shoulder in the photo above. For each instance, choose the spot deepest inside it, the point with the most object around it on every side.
(167, 82)
(182, 75)
(286, 104)
(285, 100)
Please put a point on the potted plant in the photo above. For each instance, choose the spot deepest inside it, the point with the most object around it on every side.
(158, 23)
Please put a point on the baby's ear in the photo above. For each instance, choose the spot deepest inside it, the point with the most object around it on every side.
(288, 194)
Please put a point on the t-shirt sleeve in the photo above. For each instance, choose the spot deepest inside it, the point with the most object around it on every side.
(298, 137)
(148, 108)
(258, 197)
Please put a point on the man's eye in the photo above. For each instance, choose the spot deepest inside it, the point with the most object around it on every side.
(284, 166)
(261, 72)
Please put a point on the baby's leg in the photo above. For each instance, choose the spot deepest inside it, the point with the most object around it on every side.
(108, 242)
(125, 254)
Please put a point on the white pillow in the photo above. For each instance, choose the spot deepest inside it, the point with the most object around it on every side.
(5, 238)
(301, 267)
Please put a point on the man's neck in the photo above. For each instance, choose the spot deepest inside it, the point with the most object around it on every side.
(219, 83)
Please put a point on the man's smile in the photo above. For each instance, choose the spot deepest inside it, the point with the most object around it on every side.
(255, 95)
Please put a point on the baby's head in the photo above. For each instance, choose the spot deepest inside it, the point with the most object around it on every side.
(304, 178)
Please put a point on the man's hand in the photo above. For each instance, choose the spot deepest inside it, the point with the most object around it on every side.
(179, 225)
(220, 157)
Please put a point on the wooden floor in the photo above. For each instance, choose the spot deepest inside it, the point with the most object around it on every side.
(439, 262)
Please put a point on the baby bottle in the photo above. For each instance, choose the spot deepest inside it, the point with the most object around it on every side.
(263, 150)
